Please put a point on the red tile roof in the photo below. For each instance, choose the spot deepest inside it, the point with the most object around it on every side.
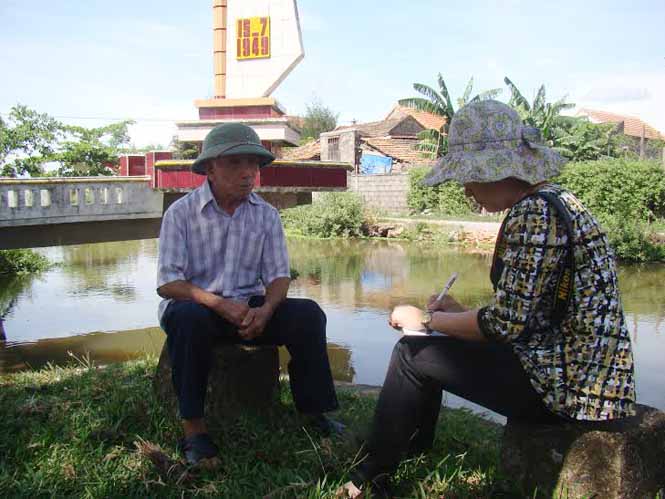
(297, 121)
(401, 149)
(631, 126)
(309, 151)
(374, 128)
(384, 128)
(428, 120)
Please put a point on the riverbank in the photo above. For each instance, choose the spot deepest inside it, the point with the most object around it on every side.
(478, 236)
(77, 431)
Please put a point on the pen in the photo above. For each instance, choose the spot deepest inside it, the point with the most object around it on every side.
(447, 287)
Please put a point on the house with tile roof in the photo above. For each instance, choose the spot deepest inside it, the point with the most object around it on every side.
(378, 147)
(628, 125)
(306, 152)
(429, 121)
(643, 139)
(386, 146)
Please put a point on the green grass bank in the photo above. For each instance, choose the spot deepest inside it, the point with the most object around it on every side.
(74, 432)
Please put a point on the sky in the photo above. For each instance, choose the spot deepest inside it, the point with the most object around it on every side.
(92, 62)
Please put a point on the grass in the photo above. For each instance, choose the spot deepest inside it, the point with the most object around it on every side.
(74, 431)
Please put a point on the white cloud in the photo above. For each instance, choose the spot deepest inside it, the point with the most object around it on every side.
(617, 94)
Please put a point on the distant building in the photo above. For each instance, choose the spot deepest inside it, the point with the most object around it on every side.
(631, 127)
(307, 152)
(427, 120)
(628, 125)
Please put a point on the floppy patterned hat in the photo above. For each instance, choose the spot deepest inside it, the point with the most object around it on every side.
(487, 142)
(230, 139)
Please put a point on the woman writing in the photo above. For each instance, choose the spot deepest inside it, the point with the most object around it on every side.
(552, 345)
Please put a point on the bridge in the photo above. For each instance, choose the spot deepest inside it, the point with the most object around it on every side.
(59, 211)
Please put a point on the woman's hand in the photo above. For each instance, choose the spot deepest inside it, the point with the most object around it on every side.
(447, 304)
(408, 317)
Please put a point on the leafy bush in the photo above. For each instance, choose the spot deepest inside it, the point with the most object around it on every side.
(630, 241)
(617, 187)
(625, 195)
(22, 261)
(445, 198)
(336, 214)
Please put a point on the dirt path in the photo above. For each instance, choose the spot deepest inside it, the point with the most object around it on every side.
(484, 227)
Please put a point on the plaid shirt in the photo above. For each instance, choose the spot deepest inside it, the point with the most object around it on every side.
(234, 256)
(583, 368)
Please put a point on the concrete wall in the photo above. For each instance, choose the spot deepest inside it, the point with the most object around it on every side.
(384, 192)
(70, 200)
(348, 146)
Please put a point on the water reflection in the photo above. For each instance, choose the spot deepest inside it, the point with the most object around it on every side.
(381, 274)
(111, 287)
(10, 291)
(107, 348)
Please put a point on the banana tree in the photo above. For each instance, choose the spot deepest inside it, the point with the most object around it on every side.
(434, 143)
(541, 114)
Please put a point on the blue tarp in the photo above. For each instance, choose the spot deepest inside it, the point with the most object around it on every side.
(371, 164)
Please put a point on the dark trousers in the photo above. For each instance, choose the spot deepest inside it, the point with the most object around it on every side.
(298, 324)
(488, 374)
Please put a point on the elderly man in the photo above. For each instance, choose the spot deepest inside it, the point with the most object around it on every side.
(224, 274)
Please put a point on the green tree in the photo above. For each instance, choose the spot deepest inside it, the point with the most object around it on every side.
(184, 150)
(91, 151)
(434, 143)
(577, 139)
(27, 141)
(318, 119)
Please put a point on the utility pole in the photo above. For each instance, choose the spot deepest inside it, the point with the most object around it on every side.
(642, 141)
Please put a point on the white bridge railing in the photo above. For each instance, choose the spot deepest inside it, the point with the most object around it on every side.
(42, 201)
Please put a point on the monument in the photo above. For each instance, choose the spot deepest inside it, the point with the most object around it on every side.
(256, 44)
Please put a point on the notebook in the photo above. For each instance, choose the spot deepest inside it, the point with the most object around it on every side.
(422, 332)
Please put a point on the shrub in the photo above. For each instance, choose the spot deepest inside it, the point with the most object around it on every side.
(630, 240)
(445, 198)
(336, 214)
(625, 195)
(618, 187)
(21, 262)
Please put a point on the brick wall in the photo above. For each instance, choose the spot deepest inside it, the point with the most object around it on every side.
(384, 192)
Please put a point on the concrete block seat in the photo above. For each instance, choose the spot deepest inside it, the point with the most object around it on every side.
(620, 459)
(243, 379)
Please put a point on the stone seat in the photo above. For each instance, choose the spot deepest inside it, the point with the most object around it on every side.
(618, 459)
(243, 380)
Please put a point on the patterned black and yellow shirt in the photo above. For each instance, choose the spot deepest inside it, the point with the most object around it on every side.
(583, 367)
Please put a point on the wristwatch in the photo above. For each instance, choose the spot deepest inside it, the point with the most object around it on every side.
(427, 318)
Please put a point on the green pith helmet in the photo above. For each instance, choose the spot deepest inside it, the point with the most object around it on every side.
(230, 139)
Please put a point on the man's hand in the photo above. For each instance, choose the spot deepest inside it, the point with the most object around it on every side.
(447, 304)
(407, 316)
(255, 322)
(233, 311)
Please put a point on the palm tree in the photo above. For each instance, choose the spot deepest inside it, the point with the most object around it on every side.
(434, 143)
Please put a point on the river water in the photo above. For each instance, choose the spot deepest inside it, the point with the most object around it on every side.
(99, 303)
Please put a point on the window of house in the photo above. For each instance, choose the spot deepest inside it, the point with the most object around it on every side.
(333, 149)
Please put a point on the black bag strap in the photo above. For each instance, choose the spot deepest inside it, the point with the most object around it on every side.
(563, 291)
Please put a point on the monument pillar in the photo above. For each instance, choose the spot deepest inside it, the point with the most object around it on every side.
(219, 15)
